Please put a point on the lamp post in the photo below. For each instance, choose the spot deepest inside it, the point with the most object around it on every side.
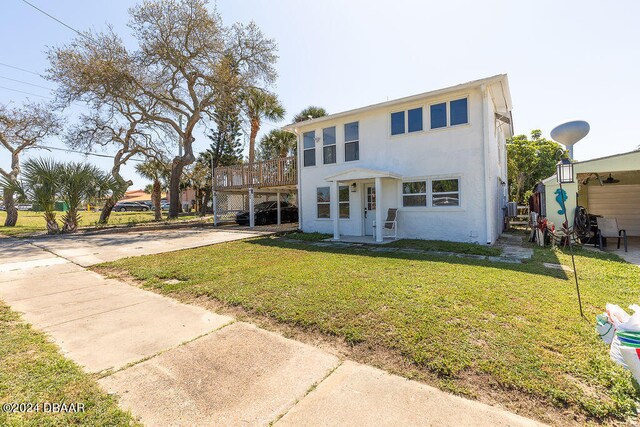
(568, 134)
(564, 175)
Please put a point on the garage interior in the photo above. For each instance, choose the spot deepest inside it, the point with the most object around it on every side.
(613, 194)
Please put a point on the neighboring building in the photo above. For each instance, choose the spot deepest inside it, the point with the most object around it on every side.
(438, 157)
(607, 186)
(138, 196)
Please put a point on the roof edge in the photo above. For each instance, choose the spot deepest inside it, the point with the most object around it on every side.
(461, 86)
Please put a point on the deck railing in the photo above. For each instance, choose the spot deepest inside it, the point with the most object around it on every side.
(267, 173)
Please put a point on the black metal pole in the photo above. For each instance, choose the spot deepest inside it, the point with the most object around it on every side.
(573, 261)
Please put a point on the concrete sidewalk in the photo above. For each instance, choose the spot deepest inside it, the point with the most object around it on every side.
(173, 364)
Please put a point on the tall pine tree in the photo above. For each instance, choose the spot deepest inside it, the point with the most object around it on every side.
(226, 143)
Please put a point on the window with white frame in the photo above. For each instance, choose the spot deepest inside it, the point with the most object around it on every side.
(343, 199)
(323, 200)
(309, 148)
(397, 123)
(431, 193)
(458, 113)
(445, 192)
(406, 121)
(329, 145)
(414, 193)
(351, 142)
(414, 120)
(438, 115)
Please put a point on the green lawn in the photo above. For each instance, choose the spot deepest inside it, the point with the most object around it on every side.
(308, 237)
(32, 371)
(32, 222)
(442, 246)
(425, 245)
(505, 332)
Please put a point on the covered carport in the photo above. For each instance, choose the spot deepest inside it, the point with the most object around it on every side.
(607, 187)
(239, 188)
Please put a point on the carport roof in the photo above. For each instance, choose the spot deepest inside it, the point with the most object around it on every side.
(629, 161)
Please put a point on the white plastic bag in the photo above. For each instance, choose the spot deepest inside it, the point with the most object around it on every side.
(605, 328)
(616, 354)
(617, 316)
(631, 357)
(632, 324)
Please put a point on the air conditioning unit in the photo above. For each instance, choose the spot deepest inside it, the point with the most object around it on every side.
(512, 209)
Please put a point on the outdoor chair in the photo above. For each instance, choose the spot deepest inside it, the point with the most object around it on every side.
(391, 223)
(608, 228)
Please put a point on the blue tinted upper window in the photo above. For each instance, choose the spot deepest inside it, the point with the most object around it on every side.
(458, 112)
(329, 136)
(309, 139)
(309, 144)
(351, 132)
(415, 119)
(397, 123)
(439, 115)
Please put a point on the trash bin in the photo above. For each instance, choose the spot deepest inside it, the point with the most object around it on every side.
(62, 206)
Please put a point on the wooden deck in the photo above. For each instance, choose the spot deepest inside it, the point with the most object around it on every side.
(275, 173)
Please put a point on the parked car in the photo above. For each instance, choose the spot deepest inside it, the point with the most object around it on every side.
(164, 206)
(24, 206)
(267, 213)
(130, 207)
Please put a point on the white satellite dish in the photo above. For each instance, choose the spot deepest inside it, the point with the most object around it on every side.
(569, 133)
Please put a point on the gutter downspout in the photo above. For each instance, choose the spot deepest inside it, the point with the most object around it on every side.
(485, 155)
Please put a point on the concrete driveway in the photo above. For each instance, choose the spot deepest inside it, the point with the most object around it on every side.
(632, 256)
(90, 249)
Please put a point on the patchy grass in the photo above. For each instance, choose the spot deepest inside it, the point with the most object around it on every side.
(505, 333)
(30, 222)
(443, 246)
(424, 245)
(308, 237)
(33, 371)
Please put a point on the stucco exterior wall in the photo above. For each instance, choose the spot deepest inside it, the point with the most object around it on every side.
(451, 152)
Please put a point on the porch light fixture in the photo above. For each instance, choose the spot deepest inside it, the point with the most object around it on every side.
(353, 187)
(564, 171)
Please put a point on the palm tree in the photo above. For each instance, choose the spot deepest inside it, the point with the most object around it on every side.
(79, 182)
(260, 104)
(311, 112)
(157, 171)
(277, 143)
(40, 184)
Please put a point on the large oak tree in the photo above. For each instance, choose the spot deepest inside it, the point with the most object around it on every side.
(174, 74)
(22, 128)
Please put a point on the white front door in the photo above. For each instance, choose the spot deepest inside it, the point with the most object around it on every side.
(369, 209)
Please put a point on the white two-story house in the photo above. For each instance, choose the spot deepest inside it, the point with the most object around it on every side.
(439, 158)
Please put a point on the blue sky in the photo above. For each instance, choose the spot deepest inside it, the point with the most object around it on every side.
(565, 59)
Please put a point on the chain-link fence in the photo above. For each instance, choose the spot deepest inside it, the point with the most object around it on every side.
(228, 205)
